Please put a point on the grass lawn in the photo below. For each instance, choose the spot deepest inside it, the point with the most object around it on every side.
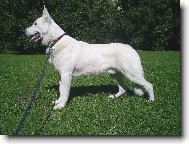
(89, 112)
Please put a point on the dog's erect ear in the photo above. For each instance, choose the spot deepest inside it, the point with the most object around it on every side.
(46, 15)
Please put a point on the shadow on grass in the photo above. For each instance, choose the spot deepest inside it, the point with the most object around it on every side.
(85, 90)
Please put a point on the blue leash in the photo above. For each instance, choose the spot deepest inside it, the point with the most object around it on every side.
(32, 98)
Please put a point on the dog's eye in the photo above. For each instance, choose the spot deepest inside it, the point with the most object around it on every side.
(35, 23)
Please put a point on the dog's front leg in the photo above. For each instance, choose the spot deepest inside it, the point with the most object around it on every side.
(64, 88)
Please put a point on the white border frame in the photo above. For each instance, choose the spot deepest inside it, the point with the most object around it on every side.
(132, 140)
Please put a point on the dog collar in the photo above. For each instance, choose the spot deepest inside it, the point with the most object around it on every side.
(55, 41)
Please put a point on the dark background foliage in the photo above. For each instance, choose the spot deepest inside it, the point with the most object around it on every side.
(144, 24)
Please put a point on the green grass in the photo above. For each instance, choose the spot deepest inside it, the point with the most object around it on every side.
(89, 112)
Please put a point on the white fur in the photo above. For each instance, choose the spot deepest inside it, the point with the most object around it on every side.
(74, 58)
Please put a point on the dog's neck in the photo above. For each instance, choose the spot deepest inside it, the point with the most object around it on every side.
(54, 31)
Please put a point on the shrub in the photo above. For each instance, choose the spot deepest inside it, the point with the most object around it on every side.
(146, 25)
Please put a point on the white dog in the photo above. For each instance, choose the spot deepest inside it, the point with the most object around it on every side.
(74, 58)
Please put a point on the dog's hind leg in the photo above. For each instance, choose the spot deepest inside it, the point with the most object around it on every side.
(140, 81)
(64, 89)
(118, 78)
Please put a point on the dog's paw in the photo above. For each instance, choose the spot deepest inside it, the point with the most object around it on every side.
(111, 97)
(150, 100)
(58, 106)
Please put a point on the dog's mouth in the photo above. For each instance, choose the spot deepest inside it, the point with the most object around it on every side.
(35, 37)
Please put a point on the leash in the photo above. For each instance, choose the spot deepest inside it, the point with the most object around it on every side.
(36, 90)
(32, 98)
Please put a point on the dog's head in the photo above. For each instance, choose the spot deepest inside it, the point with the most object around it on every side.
(39, 27)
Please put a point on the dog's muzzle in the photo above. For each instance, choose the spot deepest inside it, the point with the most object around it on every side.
(35, 37)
